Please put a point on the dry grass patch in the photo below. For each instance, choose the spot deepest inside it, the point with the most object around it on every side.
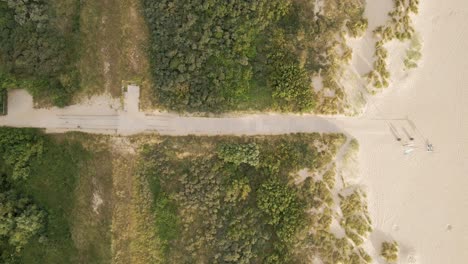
(121, 216)
(145, 246)
(135, 38)
(113, 37)
(132, 221)
(100, 63)
(93, 209)
(93, 201)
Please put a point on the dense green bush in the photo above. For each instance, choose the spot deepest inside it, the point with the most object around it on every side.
(20, 221)
(34, 54)
(240, 153)
(389, 251)
(238, 191)
(282, 207)
(166, 221)
(18, 147)
(317, 41)
(292, 90)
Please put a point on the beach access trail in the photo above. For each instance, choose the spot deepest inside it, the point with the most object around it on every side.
(420, 200)
(105, 116)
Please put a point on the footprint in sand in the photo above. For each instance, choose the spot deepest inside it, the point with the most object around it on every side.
(411, 259)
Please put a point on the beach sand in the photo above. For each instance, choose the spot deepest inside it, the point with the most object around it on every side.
(421, 199)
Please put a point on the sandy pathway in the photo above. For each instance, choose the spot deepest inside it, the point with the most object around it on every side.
(105, 116)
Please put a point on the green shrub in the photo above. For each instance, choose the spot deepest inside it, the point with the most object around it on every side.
(389, 251)
(18, 147)
(282, 207)
(20, 221)
(238, 191)
(240, 153)
(356, 221)
(399, 27)
(357, 28)
(413, 54)
(292, 90)
(167, 225)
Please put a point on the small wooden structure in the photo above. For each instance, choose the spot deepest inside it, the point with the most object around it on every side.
(3, 102)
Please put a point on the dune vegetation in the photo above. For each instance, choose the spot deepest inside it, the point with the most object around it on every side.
(238, 200)
(413, 54)
(209, 56)
(77, 198)
(202, 56)
(389, 251)
(218, 56)
(400, 27)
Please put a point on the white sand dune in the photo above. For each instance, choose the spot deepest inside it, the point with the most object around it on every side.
(420, 200)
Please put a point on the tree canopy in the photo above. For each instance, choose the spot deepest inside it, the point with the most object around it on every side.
(201, 50)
